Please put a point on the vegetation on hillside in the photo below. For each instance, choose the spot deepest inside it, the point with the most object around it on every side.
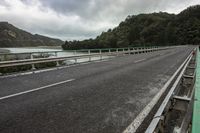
(146, 30)
(10, 36)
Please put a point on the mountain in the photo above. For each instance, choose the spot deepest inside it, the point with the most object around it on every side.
(147, 30)
(11, 36)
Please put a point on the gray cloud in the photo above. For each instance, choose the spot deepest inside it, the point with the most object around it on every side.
(69, 6)
(80, 19)
(121, 8)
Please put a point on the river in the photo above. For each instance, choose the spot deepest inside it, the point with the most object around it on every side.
(37, 49)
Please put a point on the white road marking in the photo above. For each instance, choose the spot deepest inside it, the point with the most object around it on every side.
(139, 60)
(36, 89)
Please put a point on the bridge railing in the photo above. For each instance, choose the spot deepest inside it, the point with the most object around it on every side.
(74, 58)
(57, 53)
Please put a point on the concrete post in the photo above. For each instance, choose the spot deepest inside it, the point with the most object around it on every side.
(100, 52)
(117, 51)
(74, 52)
(133, 51)
(57, 63)
(56, 54)
(89, 52)
(33, 65)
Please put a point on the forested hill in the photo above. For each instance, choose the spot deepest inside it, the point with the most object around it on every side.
(148, 29)
(11, 36)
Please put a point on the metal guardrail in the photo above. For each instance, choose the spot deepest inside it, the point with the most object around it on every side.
(31, 55)
(81, 50)
(33, 61)
(177, 101)
(172, 100)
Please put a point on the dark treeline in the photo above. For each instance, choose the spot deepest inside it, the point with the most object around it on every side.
(146, 30)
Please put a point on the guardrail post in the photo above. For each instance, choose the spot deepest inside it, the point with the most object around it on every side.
(56, 54)
(133, 51)
(129, 52)
(109, 51)
(74, 52)
(57, 63)
(100, 52)
(75, 60)
(123, 51)
(32, 65)
(89, 54)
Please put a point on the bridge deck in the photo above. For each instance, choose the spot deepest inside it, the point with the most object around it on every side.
(96, 97)
(196, 109)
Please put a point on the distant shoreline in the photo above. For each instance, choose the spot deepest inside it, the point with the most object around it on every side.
(28, 49)
(4, 51)
(49, 47)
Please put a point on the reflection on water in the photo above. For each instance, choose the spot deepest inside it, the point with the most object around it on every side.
(32, 49)
(36, 49)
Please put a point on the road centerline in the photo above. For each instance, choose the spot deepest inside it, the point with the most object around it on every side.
(36, 89)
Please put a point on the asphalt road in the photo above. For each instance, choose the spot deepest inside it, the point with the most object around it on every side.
(100, 97)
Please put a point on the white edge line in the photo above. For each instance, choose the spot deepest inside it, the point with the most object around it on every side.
(140, 60)
(165, 101)
(36, 89)
(142, 115)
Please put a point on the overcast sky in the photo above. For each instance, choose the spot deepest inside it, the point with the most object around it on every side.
(80, 19)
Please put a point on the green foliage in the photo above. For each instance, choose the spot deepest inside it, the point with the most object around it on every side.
(148, 29)
(11, 36)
